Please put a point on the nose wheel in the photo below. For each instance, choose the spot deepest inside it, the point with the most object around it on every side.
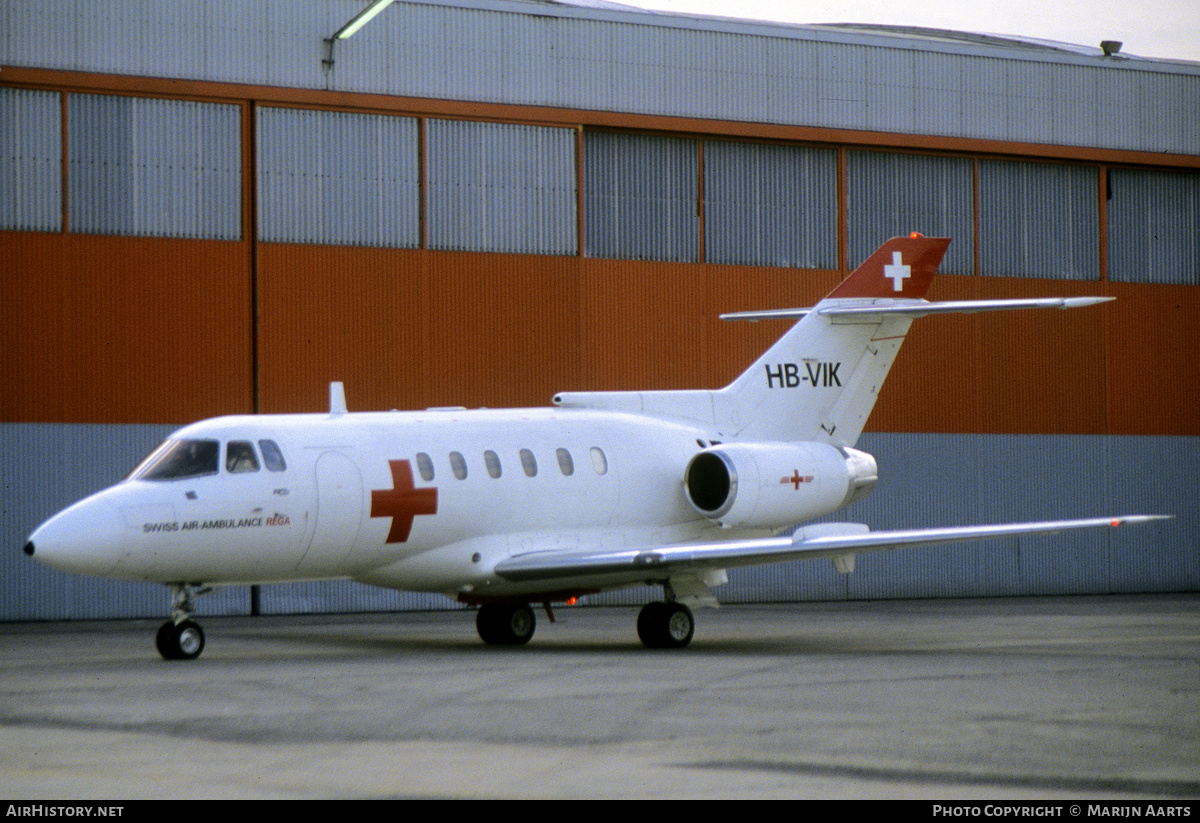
(180, 641)
(181, 638)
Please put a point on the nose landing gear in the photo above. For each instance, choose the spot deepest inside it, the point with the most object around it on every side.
(181, 638)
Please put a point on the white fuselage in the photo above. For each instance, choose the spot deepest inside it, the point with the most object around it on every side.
(485, 485)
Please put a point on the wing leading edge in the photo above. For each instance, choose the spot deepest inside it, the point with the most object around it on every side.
(840, 541)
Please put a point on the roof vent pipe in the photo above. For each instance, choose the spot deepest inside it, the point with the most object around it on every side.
(1110, 47)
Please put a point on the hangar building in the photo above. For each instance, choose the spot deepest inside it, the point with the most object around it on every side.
(211, 208)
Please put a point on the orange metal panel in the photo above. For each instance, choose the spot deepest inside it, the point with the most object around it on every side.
(409, 329)
(339, 313)
(644, 325)
(504, 329)
(124, 330)
(1153, 367)
(733, 346)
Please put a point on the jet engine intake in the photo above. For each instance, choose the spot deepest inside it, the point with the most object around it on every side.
(768, 485)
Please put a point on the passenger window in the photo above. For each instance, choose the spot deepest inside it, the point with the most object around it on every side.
(425, 466)
(272, 456)
(458, 465)
(492, 461)
(528, 463)
(565, 463)
(599, 461)
(240, 457)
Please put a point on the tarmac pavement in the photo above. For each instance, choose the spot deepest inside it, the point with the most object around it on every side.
(1008, 698)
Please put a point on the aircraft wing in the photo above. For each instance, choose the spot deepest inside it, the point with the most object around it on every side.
(840, 541)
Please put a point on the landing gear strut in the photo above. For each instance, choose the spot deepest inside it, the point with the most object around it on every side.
(180, 638)
(505, 624)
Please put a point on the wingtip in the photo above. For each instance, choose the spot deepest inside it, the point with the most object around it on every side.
(1131, 519)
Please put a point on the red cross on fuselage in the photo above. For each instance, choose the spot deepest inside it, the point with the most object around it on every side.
(796, 479)
(402, 502)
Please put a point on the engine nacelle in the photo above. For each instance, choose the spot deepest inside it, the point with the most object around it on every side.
(764, 485)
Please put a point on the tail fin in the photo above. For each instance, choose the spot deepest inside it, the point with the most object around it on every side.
(820, 380)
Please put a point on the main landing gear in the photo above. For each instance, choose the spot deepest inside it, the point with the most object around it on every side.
(665, 625)
(660, 625)
(505, 624)
(180, 638)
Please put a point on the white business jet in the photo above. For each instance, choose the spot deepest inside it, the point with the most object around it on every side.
(503, 508)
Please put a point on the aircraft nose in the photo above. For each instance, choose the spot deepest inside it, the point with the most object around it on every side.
(87, 538)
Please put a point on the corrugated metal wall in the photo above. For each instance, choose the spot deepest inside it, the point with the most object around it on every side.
(545, 55)
(31, 143)
(891, 194)
(154, 168)
(339, 178)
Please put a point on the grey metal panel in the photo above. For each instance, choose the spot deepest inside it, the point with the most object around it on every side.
(150, 167)
(770, 205)
(541, 54)
(1039, 220)
(640, 197)
(30, 160)
(1153, 227)
(501, 187)
(338, 178)
(345, 596)
(890, 195)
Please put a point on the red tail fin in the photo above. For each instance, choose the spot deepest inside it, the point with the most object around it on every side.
(902, 267)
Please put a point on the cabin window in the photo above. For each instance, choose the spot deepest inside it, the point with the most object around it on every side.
(599, 461)
(528, 463)
(425, 466)
(240, 457)
(180, 458)
(565, 463)
(492, 461)
(458, 465)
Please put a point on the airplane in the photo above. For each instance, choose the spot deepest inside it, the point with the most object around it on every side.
(501, 509)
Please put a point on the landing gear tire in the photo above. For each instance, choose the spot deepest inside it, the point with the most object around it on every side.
(504, 624)
(180, 641)
(665, 625)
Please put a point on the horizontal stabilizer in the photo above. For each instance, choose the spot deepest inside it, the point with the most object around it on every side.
(822, 540)
(919, 308)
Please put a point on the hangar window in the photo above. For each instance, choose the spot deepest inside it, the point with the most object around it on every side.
(176, 459)
(240, 457)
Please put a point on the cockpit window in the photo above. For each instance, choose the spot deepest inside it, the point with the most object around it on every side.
(240, 457)
(180, 458)
(272, 456)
